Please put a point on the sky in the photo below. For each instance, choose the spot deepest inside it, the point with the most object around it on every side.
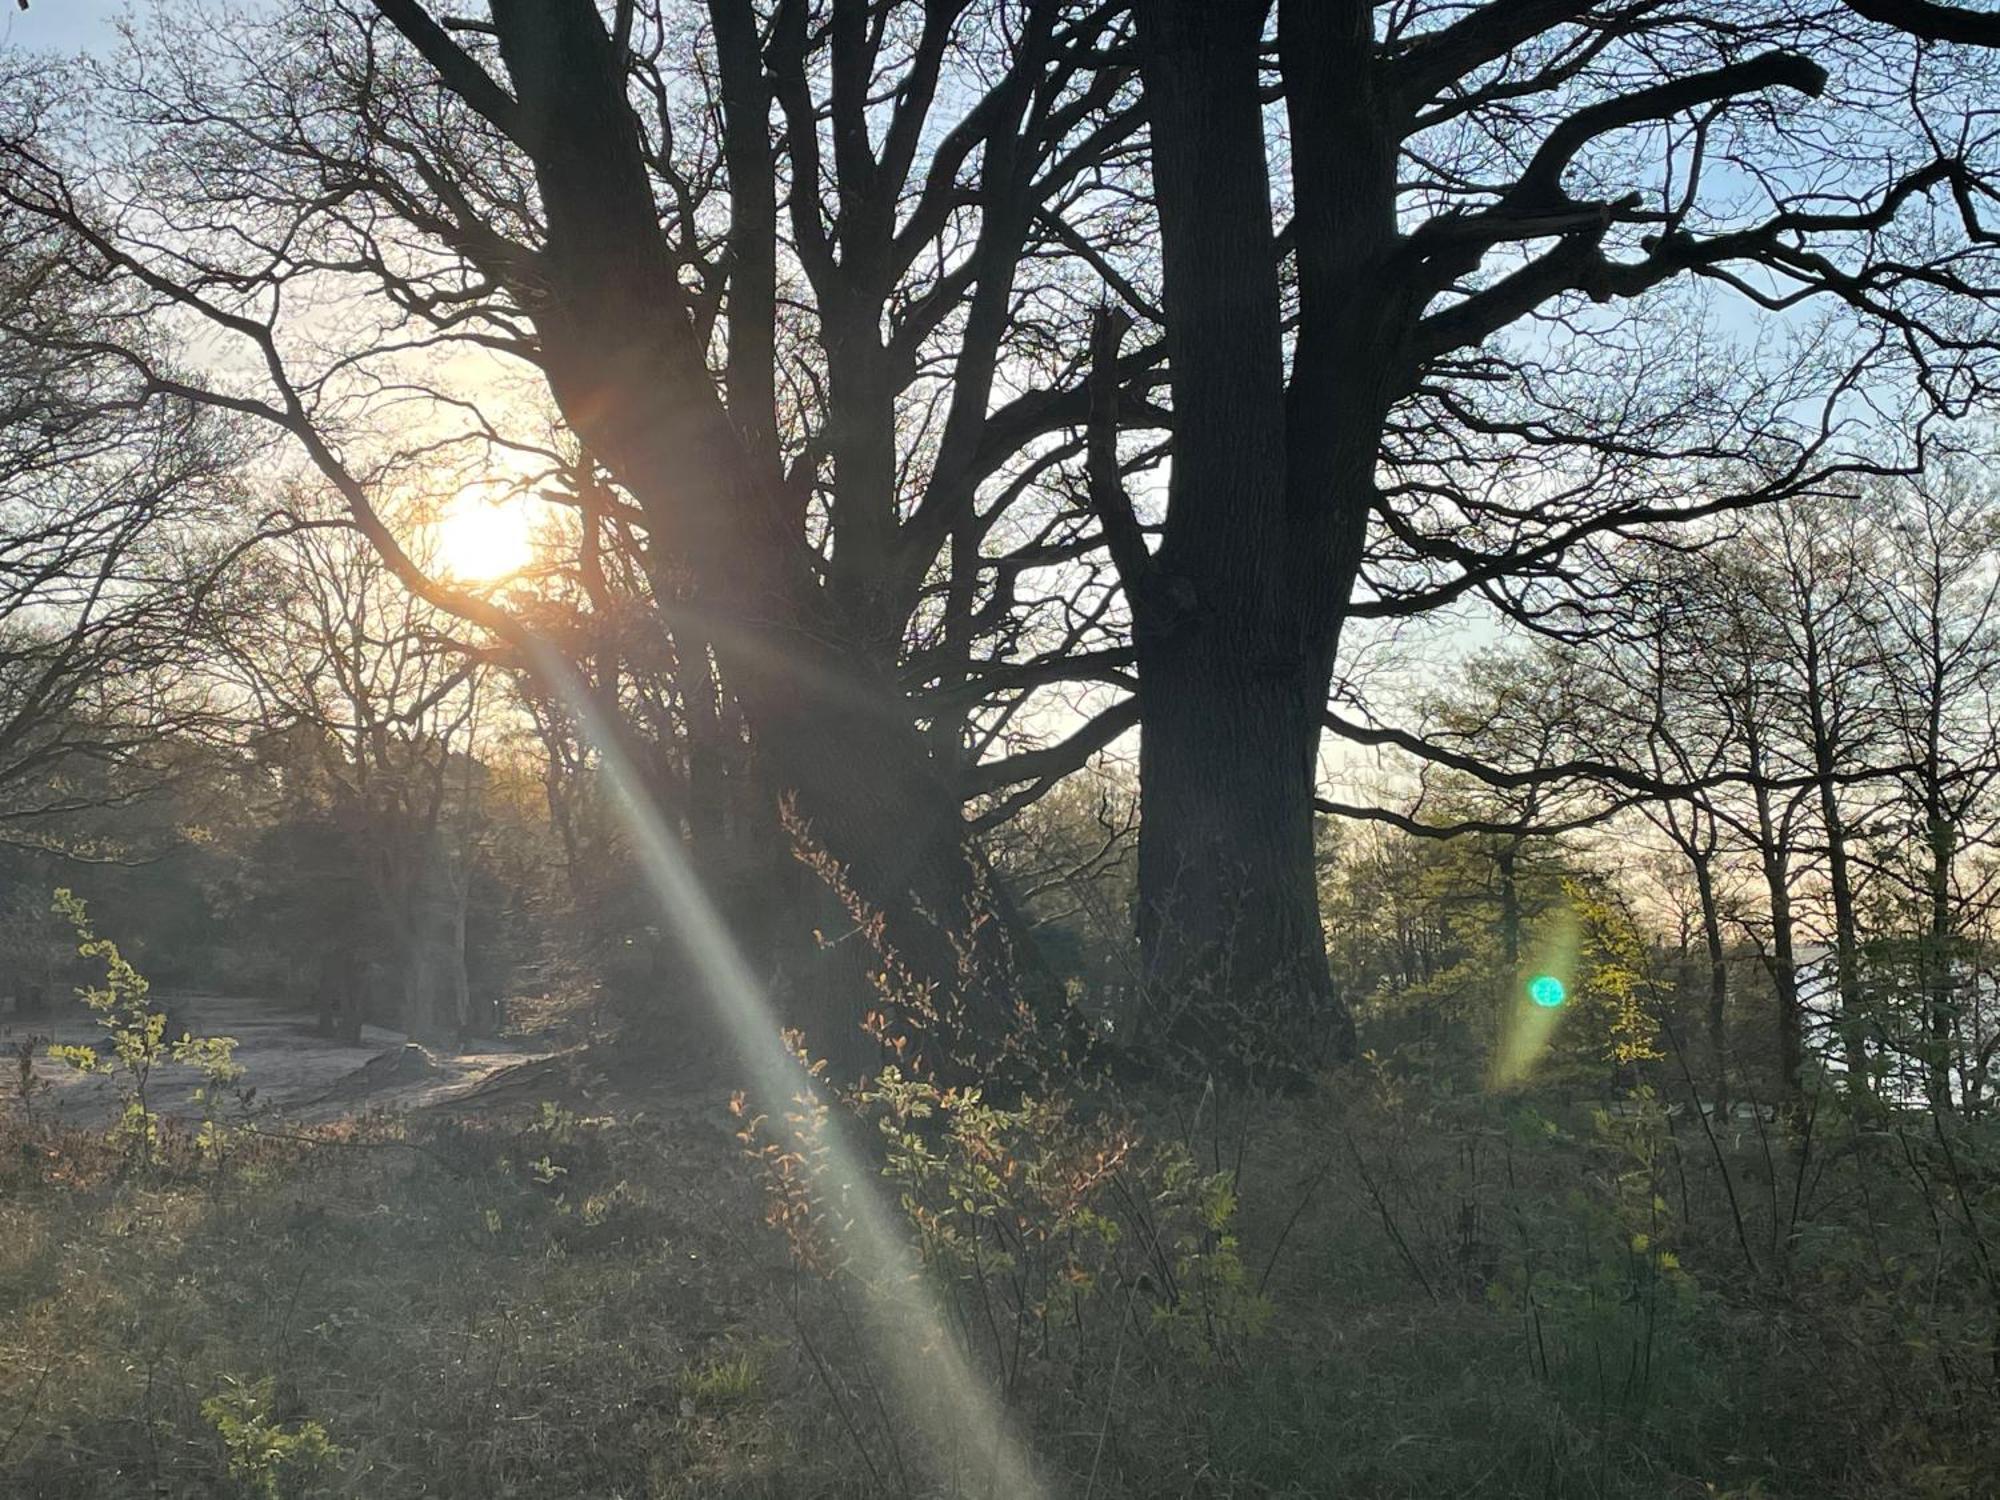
(58, 25)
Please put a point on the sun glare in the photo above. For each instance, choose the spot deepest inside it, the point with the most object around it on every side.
(479, 541)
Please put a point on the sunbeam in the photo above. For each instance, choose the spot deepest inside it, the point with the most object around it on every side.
(915, 1345)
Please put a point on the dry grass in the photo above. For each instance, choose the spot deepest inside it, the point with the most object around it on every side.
(553, 1306)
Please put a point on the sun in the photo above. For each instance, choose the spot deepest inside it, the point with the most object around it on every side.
(481, 541)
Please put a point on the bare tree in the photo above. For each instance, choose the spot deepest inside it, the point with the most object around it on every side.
(362, 710)
(1814, 572)
(1446, 362)
(1939, 586)
(115, 506)
(796, 278)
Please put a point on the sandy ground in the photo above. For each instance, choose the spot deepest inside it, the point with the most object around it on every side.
(296, 1074)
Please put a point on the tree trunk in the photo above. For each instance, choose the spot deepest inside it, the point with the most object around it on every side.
(1234, 640)
(1938, 1007)
(1846, 942)
(1783, 961)
(1839, 878)
(1718, 982)
(1229, 904)
(1510, 910)
(328, 982)
(416, 1008)
(353, 992)
(461, 980)
(831, 726)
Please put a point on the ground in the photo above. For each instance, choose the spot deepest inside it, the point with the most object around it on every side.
(295, 1071)
(555, 1281)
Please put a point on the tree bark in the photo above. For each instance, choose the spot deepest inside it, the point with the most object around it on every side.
(1236, 621)
(1783, 960)
(831, 726)
(1840, 890)
(1510, 909)
(353, 988)
(1229, 906)
(1940, 1013)
(461, 980)
(1718, 982)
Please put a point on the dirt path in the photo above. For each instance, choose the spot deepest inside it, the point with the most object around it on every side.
(295, 1073)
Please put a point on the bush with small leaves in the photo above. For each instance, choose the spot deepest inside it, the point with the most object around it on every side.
(137, 1033)
(268, 1459)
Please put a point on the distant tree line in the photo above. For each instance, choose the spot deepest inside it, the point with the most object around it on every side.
(1788, 754)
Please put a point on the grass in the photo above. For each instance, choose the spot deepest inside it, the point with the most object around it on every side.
(720, 1382)
(1471, 1297)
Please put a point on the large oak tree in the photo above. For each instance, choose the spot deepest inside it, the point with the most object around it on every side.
(1443, 353)
(795, 284)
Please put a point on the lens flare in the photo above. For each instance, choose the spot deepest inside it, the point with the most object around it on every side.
(912, 1340)
(1536, 1000)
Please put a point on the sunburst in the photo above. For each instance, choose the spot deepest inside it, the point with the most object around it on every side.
(481, 541)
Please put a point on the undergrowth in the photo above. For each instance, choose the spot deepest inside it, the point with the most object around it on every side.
(1393, 1286)
(1402, 1292)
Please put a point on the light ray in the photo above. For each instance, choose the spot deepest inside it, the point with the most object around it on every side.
(916, 1346)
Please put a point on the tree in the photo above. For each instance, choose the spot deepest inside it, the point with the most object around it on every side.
(363, 716)
(1666, 700)
(1939, 589)
(807, 285)
(793, 279)
(1440, 365)
(115, 503)
(1740, 672)
(1814, 572)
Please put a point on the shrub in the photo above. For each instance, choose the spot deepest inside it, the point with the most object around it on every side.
(268, 1460)
(138, 1036)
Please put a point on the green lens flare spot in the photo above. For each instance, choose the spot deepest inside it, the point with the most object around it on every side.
(1546, 990)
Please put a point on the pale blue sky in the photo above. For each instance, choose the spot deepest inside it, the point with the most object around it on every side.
(57, 25)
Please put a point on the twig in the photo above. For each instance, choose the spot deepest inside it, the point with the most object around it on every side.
(874, 1390)
(1714, 1146)
(1110, 1395)
(839, 1403)
(34, 1400)
(1270, 1265)
(1388, 1220)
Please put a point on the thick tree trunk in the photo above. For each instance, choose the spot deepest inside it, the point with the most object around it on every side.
(1235, 955)
(831, 727)
(1237, 617)
(1234, 637)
